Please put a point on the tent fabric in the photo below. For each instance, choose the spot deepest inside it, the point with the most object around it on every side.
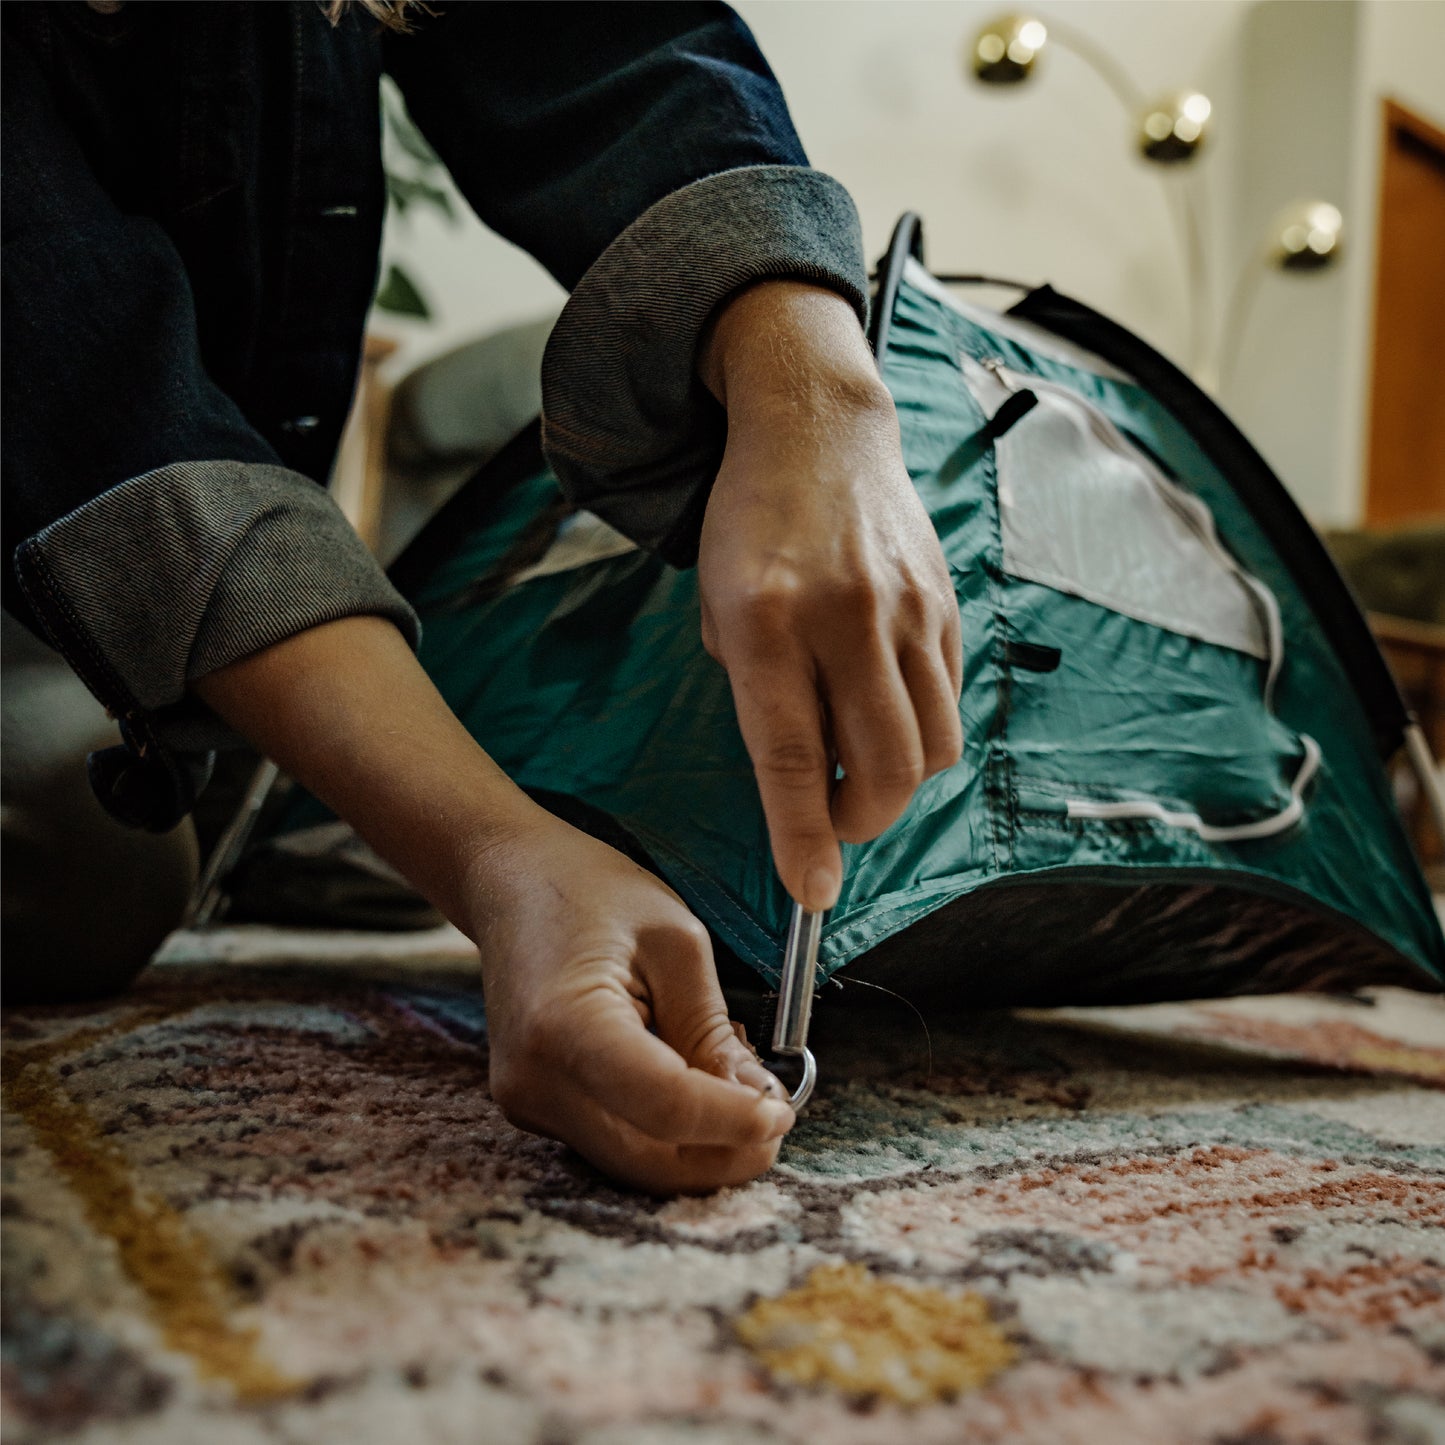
(1157, 726)
(1084, 512)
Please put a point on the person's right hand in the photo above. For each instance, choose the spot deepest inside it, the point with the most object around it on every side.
(608, 1030)
(824, 589)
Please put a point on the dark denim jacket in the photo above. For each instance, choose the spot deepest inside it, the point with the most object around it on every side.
(192, 208)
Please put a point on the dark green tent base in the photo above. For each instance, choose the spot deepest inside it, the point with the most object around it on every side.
(1080, 937)
(1093, 936)
(1071, 940)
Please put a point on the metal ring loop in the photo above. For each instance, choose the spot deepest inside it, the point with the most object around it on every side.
(804, 1091)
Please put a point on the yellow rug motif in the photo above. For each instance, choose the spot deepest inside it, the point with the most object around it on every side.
(870, 1336)
(187, 1290)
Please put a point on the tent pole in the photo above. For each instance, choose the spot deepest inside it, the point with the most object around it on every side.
(206, 899)
(1427, 774)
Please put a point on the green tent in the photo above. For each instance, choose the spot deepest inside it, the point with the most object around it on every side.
(1174, 716)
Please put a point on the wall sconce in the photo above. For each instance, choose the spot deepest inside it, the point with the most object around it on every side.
(1173, 128)
(1169, 132)
(1307, 236)
(1005, 49)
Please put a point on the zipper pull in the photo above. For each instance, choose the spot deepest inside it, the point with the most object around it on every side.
(1013, 411)
(994, 365)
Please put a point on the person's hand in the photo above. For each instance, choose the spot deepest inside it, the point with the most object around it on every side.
(608, 1030)
(607, 1027)
(824, 590)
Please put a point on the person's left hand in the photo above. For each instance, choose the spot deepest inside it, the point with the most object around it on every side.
(824, 590)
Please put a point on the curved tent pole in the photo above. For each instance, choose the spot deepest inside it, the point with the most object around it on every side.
(961, 278)
(1426, 768)
(906, 241)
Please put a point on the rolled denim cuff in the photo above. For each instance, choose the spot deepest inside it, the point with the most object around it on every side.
(176, 573)
(632, 433)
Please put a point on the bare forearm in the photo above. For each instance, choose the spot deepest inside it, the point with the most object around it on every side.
(347, 710)
(788, 344)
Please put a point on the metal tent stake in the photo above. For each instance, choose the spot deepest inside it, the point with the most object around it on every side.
(795, 997)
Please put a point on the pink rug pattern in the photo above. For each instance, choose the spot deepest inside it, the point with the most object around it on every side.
(251, 1206)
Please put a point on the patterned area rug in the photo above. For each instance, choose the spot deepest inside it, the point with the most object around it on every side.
(252, 1205)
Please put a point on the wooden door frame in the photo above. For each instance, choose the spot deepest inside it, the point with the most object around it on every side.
(1398, 123)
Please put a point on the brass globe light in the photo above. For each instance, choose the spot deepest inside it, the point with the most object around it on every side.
(1005, 49)
(1173, 128)
(1306, 236)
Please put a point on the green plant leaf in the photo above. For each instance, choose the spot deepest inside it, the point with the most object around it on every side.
(403, 191)
(404, 129)
(398, 294)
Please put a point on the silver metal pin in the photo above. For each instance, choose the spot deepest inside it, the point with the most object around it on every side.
(795, 997)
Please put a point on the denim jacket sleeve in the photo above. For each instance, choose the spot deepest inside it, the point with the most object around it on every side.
(644, 154)
(155, 534)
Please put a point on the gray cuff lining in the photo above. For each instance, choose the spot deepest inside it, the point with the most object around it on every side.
(176, 573)
(631, 432)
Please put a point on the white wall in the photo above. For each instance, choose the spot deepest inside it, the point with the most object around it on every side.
(1296, 73)
(1041, 182)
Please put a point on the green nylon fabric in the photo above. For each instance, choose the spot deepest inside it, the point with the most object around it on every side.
(593, 683)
